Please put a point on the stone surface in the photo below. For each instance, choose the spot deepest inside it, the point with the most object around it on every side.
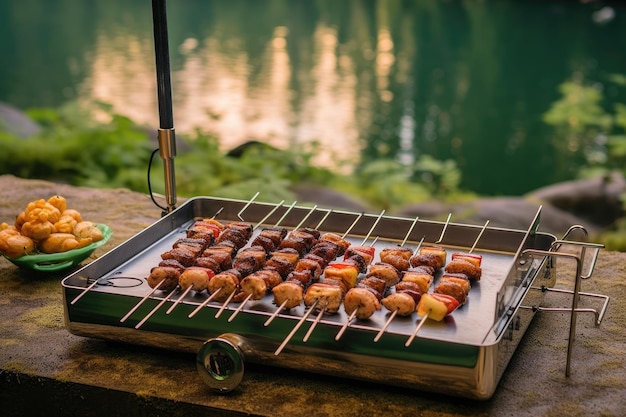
(44, 370)
(596, 200)
(16, 122)
(592, 203)
(506, 212)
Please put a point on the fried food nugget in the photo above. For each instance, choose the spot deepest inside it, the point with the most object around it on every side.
(47, 226)
(13, 244)
(62, 242)
(59, 202)
(75, 214)
(19, 245)
(20, 220)
(87, 229)
(6, 232)
(37, 230)
(41, 211)
(65, 224)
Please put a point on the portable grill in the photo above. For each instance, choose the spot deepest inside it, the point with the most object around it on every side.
(463, 355)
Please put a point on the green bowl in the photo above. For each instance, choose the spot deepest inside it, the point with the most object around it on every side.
(51, 262)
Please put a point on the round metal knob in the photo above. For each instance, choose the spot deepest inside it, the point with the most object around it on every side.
(220, 364)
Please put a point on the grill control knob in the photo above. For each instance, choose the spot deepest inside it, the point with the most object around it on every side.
(220, 364)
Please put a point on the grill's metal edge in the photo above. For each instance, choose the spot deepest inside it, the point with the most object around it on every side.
(478, 381)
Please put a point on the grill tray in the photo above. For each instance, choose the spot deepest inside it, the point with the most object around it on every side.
(464, 355)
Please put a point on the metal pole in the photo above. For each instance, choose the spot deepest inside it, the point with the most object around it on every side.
(166, 134)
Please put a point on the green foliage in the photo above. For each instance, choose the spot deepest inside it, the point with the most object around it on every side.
(579, 109)
(581, 122)
(267, 162)
(617, 142)
(387, 183)
(205, 170)
(113, 152)
(442, 178)
(72, 148)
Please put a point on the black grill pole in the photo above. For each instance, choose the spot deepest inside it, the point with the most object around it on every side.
(166, 134)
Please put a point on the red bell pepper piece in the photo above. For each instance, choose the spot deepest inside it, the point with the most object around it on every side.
(436, 306)
(470, 257)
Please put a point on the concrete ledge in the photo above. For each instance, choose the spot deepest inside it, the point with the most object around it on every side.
(44, 370)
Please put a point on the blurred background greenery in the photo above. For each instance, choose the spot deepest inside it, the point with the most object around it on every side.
(391, 101)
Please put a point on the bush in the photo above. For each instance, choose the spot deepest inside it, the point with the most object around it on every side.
(77, 149)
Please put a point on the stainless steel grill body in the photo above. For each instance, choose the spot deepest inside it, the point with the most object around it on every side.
(464, 355)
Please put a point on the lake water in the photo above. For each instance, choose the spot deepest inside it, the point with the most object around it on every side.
(461, 80)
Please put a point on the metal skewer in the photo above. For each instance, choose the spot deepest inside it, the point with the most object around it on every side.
(305, 217)
(373, 226)
(243, 303)
(275, 313)
(387, 323)
(246, 206)
(417, 329)
(132, 310)
(223, 307)
(217, 213)
(373, 241)
(85, 291)
(352, 225)
(269, 320)
(314, 324)
(395, 312)
(356, 310)
(445, 226)
(239, 308)
(353, 315)
(280, 308)
(155, 309)
(406, 237)
(419, 245)
(197, 218)
(324, 218)
(285, 214)
(204, 303)
(179, 299)
(423, 319)
(295, 329)
(478, 238)
(268, 215)
(346, 324)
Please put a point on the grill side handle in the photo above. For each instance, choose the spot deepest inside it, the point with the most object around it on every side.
(576, 293)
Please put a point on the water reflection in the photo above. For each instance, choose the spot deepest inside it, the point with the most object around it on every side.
(466, 81)
(120, 75)
(212, 91)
